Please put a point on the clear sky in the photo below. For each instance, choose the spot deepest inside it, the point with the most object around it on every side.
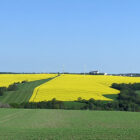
(43, 35)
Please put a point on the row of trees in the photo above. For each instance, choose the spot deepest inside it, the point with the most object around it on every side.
(135, 86)
(53, 104)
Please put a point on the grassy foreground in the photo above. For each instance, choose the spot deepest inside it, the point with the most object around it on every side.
(23, 93)
(68, 125)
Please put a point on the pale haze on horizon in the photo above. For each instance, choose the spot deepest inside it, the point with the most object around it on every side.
(44, 35)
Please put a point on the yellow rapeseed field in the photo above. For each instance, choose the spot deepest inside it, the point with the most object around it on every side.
(71, 87)
(7, 79)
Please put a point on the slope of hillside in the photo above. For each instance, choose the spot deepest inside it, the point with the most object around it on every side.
(68, 125)
(70, 87)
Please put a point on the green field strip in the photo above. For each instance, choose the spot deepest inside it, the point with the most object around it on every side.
(46, 124)
(111, 96)
(23, 93)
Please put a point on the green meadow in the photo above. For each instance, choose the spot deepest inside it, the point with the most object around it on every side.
(42, 124)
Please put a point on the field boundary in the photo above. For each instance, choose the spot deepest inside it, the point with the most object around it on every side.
(38, 87)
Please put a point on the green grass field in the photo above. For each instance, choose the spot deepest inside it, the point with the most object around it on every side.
(112, 96)
(23, 93)
(37, 124)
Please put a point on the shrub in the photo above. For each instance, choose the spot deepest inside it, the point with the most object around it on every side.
(24, 81)
(2, 90)
(13, 87)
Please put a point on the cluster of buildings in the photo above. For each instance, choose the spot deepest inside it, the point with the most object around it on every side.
(96, 73)
(125, 74)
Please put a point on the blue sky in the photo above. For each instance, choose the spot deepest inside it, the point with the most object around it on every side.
(43, 35)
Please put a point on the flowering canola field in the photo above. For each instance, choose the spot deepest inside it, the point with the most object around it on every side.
(7, 79)
(70, 87)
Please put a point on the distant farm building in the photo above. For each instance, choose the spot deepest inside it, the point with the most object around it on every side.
(96, 73)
